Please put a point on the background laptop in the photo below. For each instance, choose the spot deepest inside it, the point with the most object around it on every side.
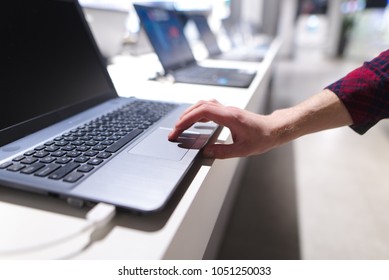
(165, 32)
(249, 53)
(64, 130)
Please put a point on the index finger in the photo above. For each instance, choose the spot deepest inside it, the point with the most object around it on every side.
(202, 113)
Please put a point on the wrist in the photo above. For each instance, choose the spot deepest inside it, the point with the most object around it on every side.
(320, 112)
(284, 126)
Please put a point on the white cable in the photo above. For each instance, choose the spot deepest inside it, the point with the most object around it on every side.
(101, 214)
(98, 217)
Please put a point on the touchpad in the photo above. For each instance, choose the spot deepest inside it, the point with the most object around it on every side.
(157, 145)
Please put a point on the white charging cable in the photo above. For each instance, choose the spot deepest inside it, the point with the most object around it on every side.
(98, 217)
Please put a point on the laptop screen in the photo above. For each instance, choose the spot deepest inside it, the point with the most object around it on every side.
(50, 70)
(206, 34)
(166, 34)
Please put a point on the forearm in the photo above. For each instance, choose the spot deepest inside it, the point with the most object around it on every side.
(254, 133)
(320, 112)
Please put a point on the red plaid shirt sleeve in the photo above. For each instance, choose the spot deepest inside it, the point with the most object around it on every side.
(365, 92)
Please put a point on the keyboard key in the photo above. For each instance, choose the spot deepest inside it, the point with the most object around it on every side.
(47, 170)
(95, 161)
(32, 168)
(82, 148)
(39, 148)
(90, 153)
(99, 138)
(48, 159)
(18, 158)
(77, 143)
(73, 177)
(68, 148)
(63, 160)
(85, 168)
(49, 143)
(99, 147)
(58, 153)
(91, 143)
(61, 143)
(107, 142)
(51, 148)
(16, 167)
(73, 154)
(70, 138)
(5, 165)
(104, 155)
(64, 170)
(81, 159)
(41, 154)
(29, 153)
(29, 160)
(86, 138)
(123, 141)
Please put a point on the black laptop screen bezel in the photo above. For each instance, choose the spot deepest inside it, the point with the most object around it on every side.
(38, 122)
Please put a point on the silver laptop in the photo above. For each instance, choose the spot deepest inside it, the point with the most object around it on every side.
(63, 129)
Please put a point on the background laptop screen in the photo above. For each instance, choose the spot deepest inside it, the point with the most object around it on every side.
(69, 71)
(167, 37)
(206, 34)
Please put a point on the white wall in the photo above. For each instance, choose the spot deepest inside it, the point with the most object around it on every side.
(287, 26)
(251, 11)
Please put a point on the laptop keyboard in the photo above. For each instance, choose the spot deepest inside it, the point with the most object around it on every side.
(77, 153)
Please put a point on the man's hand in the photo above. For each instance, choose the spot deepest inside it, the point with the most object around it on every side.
(254, 133)
(249, 131)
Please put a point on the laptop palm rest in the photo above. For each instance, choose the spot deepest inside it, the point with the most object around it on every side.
(156, 145)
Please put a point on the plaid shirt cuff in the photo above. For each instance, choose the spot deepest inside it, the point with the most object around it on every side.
(365, 93)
